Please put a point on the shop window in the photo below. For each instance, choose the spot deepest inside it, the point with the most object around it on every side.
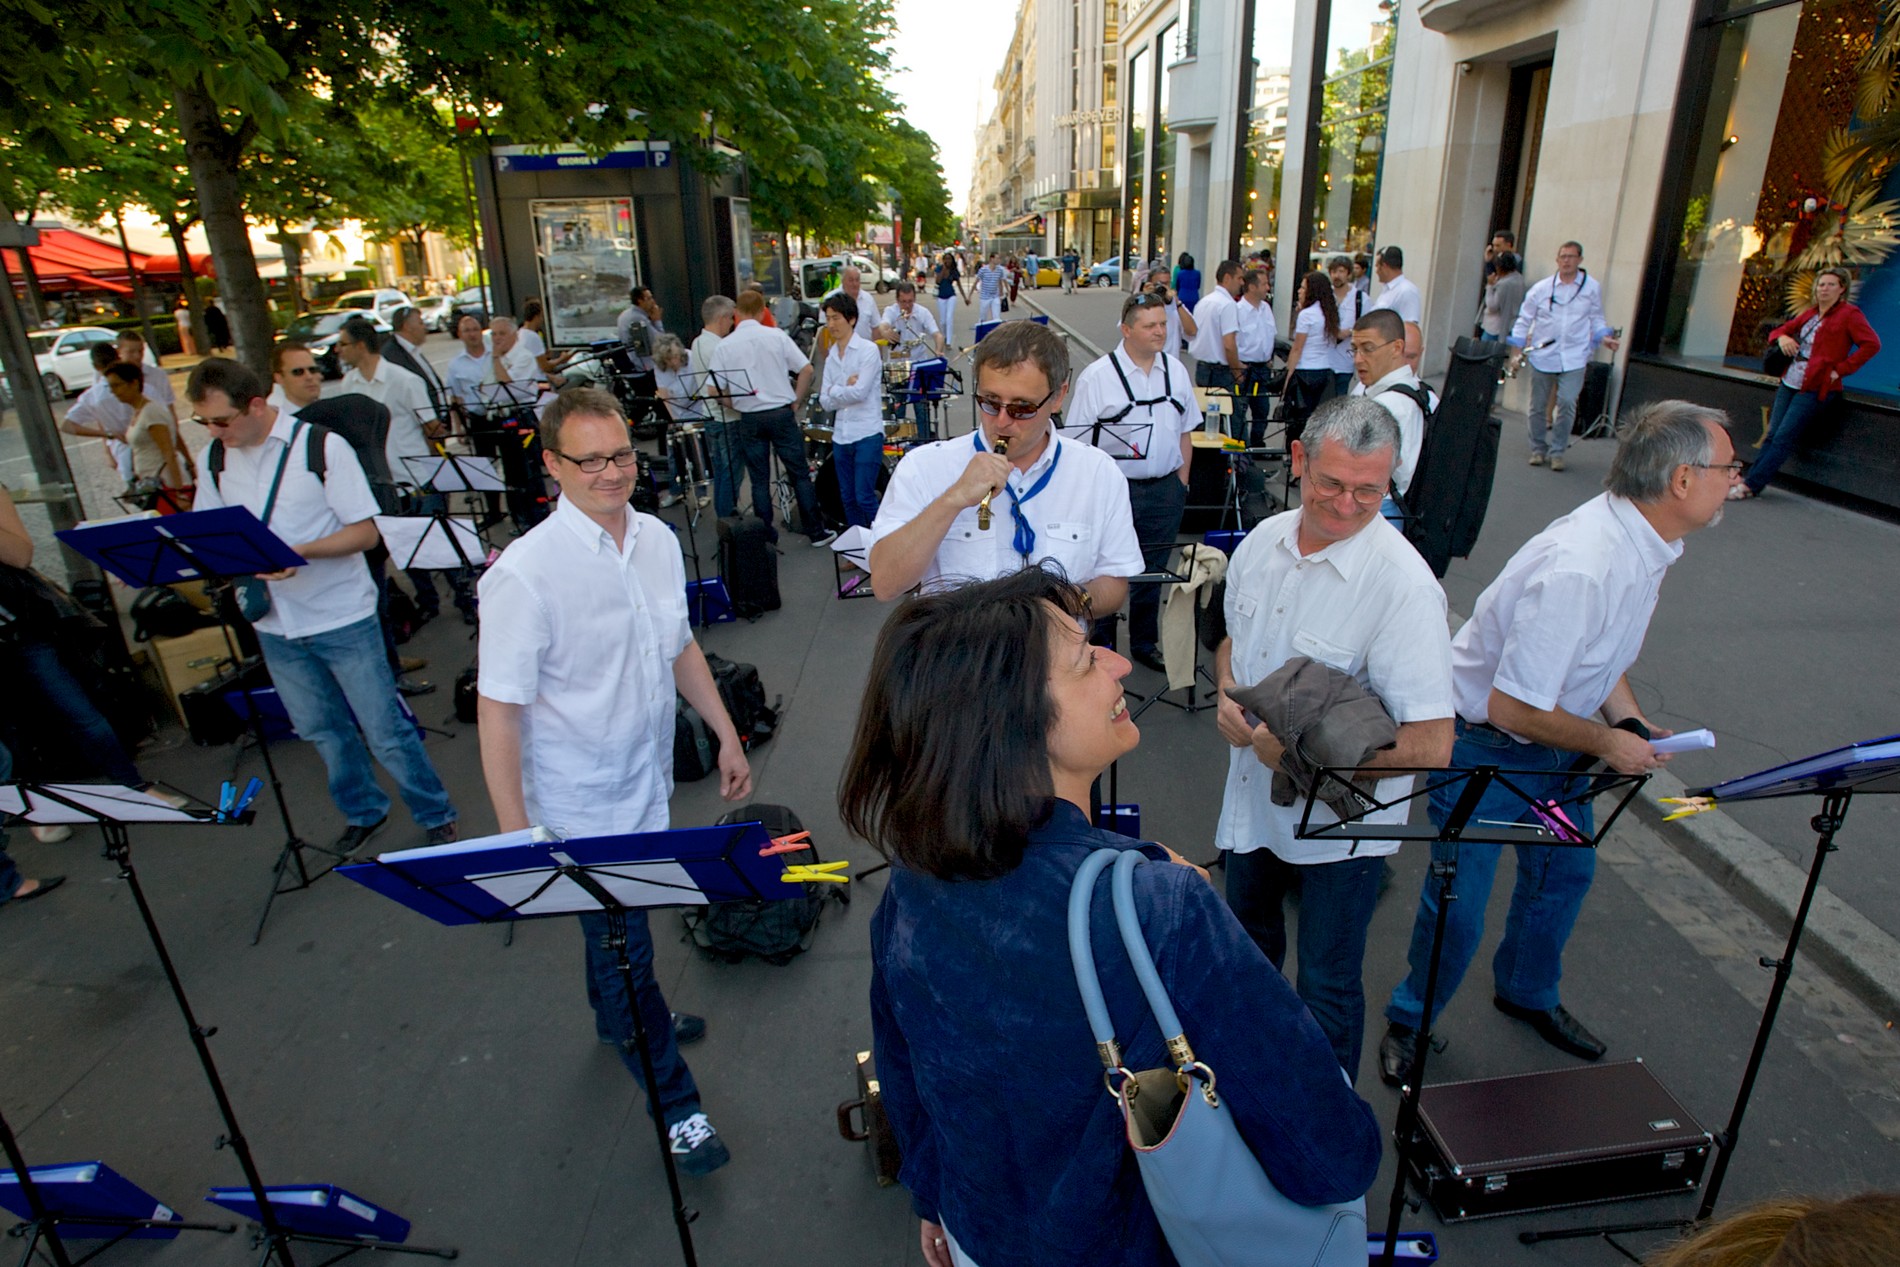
(1263, 155)
(1351, 144)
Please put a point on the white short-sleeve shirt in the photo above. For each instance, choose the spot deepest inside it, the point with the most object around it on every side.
(1215, 317)
(1566, 618)
(323, 594)
(913, 329)
(1351, 308)
(583, 635)
(1317, 353)
(1368, 606)
(1406, 413)
(407, 399)
(1146, 441)
(769, 360)
(1081, 517)
(1402, 297)
(1256, 333)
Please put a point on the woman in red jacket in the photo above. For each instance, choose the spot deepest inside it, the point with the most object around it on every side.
(1828, 342)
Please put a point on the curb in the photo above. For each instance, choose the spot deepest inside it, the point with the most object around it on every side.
(1068, 330)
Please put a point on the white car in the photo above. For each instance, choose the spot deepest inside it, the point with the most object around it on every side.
(435, 311)
(64, 357)
(382, 301)
(881, 279)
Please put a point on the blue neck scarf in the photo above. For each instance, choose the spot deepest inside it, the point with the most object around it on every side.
(1025, 542)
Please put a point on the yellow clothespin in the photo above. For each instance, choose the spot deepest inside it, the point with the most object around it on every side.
(803, 872)
(1690, 805)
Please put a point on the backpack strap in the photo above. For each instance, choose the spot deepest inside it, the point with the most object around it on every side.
(1417, 395)
(314, 459)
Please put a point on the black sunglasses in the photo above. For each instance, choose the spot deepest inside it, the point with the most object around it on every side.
(1015, 408)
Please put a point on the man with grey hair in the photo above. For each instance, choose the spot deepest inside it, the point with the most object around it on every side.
(1335, 583)
(1558, 326)
(1540, 680)
(716, 318)
(851, 282)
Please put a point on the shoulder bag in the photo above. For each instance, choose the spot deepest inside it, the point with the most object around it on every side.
(1215, 1204)
(251, 593)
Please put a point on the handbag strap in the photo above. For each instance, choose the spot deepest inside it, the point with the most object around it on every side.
(1081, 951)
(1082, 954)
(277, 481)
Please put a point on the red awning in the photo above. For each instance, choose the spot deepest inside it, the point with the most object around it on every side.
(66, 259)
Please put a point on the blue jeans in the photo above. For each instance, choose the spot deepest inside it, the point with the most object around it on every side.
(10, 877)
(858, 465)
(679, 1094)
(728, 467)
(81, 740)
(1790, 414)
(321, 680)
(1336, 901)
(1551, 883)
(776, 430)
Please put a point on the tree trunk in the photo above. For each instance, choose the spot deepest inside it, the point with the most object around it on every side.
(293, 266)
(212, 155)
(188, 285)
(139, 298)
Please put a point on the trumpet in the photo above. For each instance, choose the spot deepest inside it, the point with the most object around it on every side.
(983, 507)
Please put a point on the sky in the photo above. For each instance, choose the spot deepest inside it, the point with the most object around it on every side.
(945, 56)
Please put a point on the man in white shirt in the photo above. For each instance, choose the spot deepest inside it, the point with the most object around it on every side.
(1558, 328)
(1540, 679)
(1053, 501)
(716, 317)
(1215, 346)
(98, 414)
(298, 383)
(1136, 405)
(913, 332)
(1333, 582)
(642, 312)
(1399, 294)
(764, 376)
(369, 373)
(321, 638)
(1255, 333)
(584, 642)
(853, 388)
(470, 375)
(403, 349)
(851, 282)
(990, 280)
(1352, 306)
(1385, 377)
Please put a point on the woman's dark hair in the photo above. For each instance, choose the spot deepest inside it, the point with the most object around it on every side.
(1506, 261)
(1186, 260)
(842, 304)
(949, 768)
(1317, 288)
(126, 372)
(530, 310)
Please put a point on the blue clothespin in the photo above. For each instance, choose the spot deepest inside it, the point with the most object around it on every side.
(251, 790)
(227, 797)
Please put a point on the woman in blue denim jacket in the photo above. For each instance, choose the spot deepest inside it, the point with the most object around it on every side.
(987, 717)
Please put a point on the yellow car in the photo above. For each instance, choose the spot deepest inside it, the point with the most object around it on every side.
(1048, 274)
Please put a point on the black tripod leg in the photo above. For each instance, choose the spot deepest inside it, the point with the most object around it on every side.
(682, 1217)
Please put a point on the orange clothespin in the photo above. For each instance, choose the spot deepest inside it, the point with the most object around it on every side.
(787, 844)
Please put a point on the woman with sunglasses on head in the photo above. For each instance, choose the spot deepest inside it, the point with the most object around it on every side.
(158, 469)
(1316, 338)
(1010, 495)
(1013, 1151)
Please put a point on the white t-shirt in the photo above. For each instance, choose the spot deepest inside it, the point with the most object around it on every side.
(1215, 317)
(583, 635)
(1351, 308)
(1403, 298)
(529, 348)
(1154, 429)
(323, 594)
(1368, 606)
(1317, 353)
(1081, 518)
(769, 360)
(858, 406)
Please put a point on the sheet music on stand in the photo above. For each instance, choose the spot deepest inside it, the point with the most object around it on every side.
(507, 398)
(433, 542)
(455, 473)
(1121, 439)
(707, 386)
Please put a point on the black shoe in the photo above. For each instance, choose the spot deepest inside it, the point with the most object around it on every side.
(1397, 1050)
(1557, 1027)
(1148, 658)
(468, 616)
(46, 885)
(354, 837)
(688, 1028)
(414, 686)
(445, 834)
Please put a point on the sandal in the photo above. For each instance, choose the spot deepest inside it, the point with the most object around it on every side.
(1742, 493)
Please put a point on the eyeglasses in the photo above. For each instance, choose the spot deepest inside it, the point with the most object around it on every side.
(1367, 349)
(1019, 410)
(1329, 488)
(298, 371)
(595, 465)
(203, 421)
(1732, 469)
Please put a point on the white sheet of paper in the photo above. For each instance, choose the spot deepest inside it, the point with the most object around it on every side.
(1686, 741)
(854, 543)
(635, 884)
(420, 541)
(98, 802)
(463, 475)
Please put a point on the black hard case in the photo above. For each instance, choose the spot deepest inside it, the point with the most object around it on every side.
(886, 1158)
(1544, 1141)
(749, 565)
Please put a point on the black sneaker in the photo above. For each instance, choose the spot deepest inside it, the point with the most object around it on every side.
(823, 537)
(446, 834)
(1148, 658)
(696, 1146)
(414, 686)
(688, 1028)
(354, 837)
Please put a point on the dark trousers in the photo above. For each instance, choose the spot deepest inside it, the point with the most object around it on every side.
(1306, 390)
(1259, 405)
(1786, 420)
(678, 1096)
(72, 737)
(1336, 901)
(1157, 506)
(771, 431)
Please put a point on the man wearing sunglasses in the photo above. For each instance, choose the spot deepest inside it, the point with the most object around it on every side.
(1137, 405)
(298, 381)
(1053, 502)
(584, 640)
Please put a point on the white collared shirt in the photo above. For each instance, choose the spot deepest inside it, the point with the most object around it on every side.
(1215, 317)
(583, 635)
(282, 403)
(1402, 297)
(1566, 617)
(1155, 430)
(324, 594)
(913, 329)
(698, 362)
(858, 407)
(769, 360)
(1368, 606)
(1560, 323)
(867, 314)
(97, 407)
(1319, 352)
(1256, 332)
(407, 400)
(1351, 308)
(1081, 517)
(427, 373)
(471, 380)
(1406, 413)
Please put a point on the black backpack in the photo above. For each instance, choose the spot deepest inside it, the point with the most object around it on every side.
(695, 748)
(364, 425)
(777, 932)
(744, 696)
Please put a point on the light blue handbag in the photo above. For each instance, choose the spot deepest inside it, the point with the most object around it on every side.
(1216, 1206)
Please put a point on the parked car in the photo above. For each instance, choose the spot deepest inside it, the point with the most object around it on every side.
(1109, 272)
(880, 279)
(318, 330)
(382, 301)
(472, 300)
(64, 357)
(1048, 273)
(435, 311)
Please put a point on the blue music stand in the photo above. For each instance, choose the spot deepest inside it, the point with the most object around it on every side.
(212, 546)
(1872, 766)
(530, 874)
(321, 1209)
(83, 1201)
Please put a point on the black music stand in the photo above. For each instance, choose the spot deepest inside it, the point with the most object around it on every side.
(1461, 825)
(531, 873)
(114, 809)
(213, 546)
(1872, 767)
(509, 411)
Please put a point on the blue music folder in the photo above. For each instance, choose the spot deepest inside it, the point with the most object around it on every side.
(1872, 766)
(517, 875)
(82, 1189)
(146, 550)
(318, 1209)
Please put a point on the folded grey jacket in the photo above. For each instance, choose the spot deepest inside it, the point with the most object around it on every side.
(1324, 719)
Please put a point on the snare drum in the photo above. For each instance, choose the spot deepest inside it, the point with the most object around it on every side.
(897, 373)
(689, 443)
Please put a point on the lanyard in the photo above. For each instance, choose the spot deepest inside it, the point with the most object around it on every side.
(1025, 542)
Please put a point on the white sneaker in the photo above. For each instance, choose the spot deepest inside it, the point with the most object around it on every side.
(54, 834)
(696, 1146)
